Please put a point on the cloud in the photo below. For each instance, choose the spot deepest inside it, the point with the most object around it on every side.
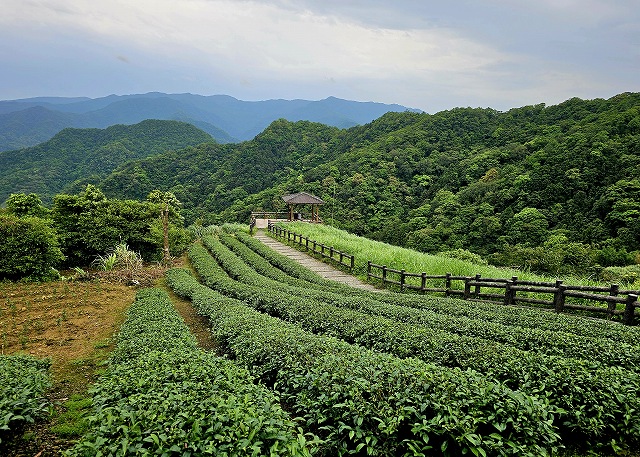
(495, 53)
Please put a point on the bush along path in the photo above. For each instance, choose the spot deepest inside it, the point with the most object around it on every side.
(162, 395)
(367, 402)
(595, 405)
(246, 263)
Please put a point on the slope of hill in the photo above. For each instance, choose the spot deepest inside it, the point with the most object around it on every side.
(531, 181)
(78, 154)
(223, 117)
(31, 126)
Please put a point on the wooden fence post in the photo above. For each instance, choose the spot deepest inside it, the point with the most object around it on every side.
(423, 281)
(630, 309)
(611, 306)
(467, 289)
(368, 268)
(352, 261)
(402, 279)
(384, 274)
(513, 292)
(476, 292)
(558, 297)
(507, 293)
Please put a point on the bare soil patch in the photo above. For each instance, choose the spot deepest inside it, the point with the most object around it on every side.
(70, 322)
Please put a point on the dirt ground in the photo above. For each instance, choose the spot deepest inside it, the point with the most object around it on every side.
(73, 324)
(70, 322)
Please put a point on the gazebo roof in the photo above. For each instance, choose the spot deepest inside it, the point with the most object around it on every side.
(302, 198)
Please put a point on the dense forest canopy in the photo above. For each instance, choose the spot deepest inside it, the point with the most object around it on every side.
(89, 155)
(551, 188)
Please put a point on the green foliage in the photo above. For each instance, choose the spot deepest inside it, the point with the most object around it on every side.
(90, 225)
(556, 256)
(364, 401)
(497, 184)
(161, 395)
(395, 257)
(120, 257)
(29, 248)
(628, 276)
(23, 383)
(26, 205)
(464, 255)
(473, 179)
(77, 154)
(593, 388)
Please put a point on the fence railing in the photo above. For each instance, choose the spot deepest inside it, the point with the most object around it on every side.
(270, 215)
(619, 302)
(342, 258)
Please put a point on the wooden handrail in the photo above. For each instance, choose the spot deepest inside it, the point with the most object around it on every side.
(473, 286)
(329, 252)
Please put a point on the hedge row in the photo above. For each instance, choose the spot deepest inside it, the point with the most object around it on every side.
(285, 264)
(606, 351)
(23, 383)
(161, 395)
(516, 316)
(366, 402)
(595, 404)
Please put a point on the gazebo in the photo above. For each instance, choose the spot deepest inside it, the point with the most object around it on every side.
(303, 198)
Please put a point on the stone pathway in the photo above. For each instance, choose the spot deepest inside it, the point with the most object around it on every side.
(323, 269)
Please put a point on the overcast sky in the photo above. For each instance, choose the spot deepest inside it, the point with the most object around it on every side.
(431, 55)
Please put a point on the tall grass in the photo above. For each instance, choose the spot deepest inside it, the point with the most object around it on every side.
(396, 257)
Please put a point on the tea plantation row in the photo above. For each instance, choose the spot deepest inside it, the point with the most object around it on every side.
(367, 402)
(593, 403)
(23, 383)
(162, 395)
(612, 343)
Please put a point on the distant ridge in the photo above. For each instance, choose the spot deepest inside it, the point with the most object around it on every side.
(27, 122)
(84, 155)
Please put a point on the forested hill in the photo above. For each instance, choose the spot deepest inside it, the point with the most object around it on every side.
(89, 155)
(537, 177)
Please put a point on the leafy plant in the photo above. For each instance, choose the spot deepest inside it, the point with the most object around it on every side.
(162, 395)
(23, 382)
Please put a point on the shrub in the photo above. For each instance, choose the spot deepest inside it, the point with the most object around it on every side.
(28, 249)
(23, 382)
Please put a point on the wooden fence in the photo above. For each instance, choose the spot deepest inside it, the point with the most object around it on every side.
(505, 291)
(342, 258)
(270, 215)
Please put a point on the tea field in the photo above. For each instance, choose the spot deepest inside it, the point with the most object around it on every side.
(294, 364)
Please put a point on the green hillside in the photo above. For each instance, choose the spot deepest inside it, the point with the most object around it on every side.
(89, 155)
(554, 189)
(560, 184)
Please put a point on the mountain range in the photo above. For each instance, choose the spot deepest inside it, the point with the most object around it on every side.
(30, 121)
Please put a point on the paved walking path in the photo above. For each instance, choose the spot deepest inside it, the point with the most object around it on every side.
(323, 269)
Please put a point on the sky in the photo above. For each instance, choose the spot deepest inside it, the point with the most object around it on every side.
(425, 54)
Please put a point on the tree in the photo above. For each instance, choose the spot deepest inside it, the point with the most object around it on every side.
(166, 203)
(89, 225)
(28, 248)
(26, 205)
(529, 227)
